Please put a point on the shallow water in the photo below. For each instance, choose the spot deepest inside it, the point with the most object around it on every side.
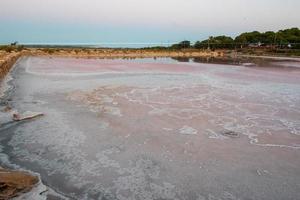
(157, 128)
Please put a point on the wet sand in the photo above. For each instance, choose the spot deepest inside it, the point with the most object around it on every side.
(158, 129)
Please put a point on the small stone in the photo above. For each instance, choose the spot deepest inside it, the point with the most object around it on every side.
(229, 133)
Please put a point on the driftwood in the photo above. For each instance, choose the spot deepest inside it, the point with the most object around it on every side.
(26, 116)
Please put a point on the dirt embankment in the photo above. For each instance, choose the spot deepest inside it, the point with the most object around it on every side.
(7, 60)
(15, 183)
(124, 53)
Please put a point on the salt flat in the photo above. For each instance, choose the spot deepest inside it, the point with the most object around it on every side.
(158, 128)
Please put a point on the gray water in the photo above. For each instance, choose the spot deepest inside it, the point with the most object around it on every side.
(154, 129)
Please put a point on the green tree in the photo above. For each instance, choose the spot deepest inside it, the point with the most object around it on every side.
(218, 42)
(182, 45)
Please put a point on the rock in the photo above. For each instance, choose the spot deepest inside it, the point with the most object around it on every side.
(229, 133)
(16, 117)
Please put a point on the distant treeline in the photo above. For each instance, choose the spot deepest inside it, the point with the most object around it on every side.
(288, 38)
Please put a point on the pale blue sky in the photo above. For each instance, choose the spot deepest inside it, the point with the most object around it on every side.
(139, 21)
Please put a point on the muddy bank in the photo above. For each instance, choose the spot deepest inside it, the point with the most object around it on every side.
(15, 183)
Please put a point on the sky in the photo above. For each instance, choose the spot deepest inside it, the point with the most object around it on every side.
(139, 21)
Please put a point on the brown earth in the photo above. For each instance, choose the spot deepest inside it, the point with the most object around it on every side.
(14, 183)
